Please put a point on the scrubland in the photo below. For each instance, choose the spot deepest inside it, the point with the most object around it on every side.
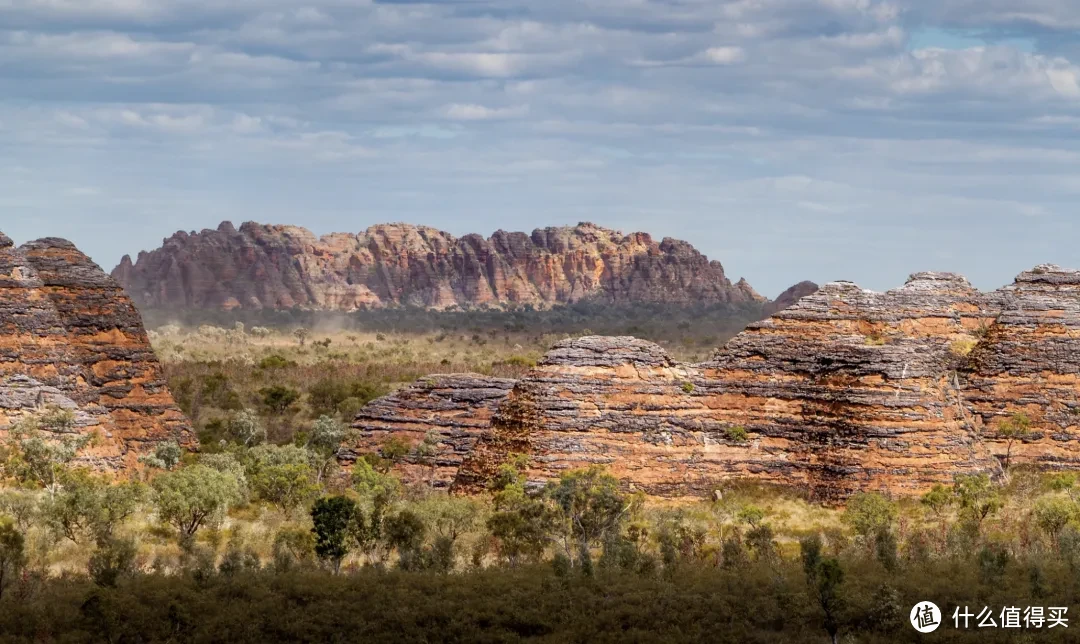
(261, 537)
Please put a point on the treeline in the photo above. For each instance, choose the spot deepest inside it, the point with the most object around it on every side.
(694, 325)
(264, 542)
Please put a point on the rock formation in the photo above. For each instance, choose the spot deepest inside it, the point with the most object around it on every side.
(455, 409)
(70, 338)
(280, 267)
(847, 390)
(789, 297)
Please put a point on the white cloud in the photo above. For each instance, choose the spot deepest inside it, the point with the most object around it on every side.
(724, 55)
(473, 112)
(751, 117)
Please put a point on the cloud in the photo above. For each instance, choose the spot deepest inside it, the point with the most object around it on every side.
(472, 112)
(740, 124)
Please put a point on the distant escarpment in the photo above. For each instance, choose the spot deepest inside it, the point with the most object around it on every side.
(71, 339)
(281, 267)
(846, 390)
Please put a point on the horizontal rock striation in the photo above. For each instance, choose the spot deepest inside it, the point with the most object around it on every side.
(280, 267)
(69, 335)
(847, 390)
(453, 408)
(1028, 364)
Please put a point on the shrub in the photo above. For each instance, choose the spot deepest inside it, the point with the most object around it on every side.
(736, 434)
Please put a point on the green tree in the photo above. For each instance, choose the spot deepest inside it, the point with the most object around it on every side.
(334, 522)
(12, 554)
(590, 507)
(1014, 428)
(166, 456)
(245, 428)
(287, 486)
(324, 441)
(21, 505)
(824, 576)
(41, 447)
(112, 560)
(294, 548)
(89, 508)
(405, 532)
(938, 500)
(194, 496)
(1052, 514)
(395, 448)
(978, 498)
(522, 529)
(868, 513)
(278, 398)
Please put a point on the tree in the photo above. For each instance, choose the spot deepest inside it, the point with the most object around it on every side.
(12, 554)
(590, 507)
(40, 459)
(868, 513)
(301, 334)
(325, 440)
(522, 529)
(405, 532)
(279, 398)
(245, 428)
(978, 497)
(112, 559)
(1016, 427)
(1052, 514)
(21, 505)
(293, 548)
(938, 500)
(395, 448)
(166, 456)
(824, 577)
(287, 486)
(194, 496)
(89, 508)
(334, 520)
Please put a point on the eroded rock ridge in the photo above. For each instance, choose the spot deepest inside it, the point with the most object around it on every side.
(71, 339)
(844, 391)
(280, 267)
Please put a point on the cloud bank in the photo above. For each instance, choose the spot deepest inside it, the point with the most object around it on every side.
(790, 139)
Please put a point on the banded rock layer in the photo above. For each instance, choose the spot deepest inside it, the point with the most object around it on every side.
(281, 267)
(454, 408)
(847, 390)
(70, 338)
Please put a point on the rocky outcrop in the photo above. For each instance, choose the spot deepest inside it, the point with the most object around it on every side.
(789, 298)
(1027, 365)
(847, 390)
(280, 267)
(453, 409)
(70, 338)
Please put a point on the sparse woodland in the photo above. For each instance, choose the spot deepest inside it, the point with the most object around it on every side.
(261, 537)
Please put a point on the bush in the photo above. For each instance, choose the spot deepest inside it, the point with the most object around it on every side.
(736, 434)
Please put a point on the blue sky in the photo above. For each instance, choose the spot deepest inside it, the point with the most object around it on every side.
(789, 139)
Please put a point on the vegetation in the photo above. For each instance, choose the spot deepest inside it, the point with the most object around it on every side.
(262, 537)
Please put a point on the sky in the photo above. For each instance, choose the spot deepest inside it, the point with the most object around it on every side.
(790, 139)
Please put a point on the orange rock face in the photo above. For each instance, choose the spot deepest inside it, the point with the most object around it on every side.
(70, 337)
(848, 390)
(279, 267)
